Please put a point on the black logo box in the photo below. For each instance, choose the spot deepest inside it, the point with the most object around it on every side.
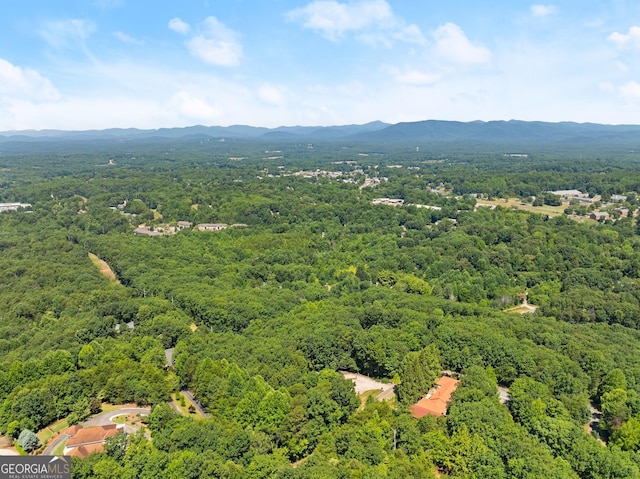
(35, 467)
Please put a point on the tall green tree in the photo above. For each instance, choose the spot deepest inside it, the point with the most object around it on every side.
(418, 371)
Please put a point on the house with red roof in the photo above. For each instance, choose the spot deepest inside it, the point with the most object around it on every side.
(85, 441)
(436, 402)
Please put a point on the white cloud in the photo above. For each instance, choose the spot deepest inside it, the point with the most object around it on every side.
(215, 43)
(67, 33)
(543, 10)
(629, 40)
(334, 18)
(631, 91)
(453, 46)
(179, 26)
(623, 67)
(607, 87)
(21, 83)
(410, 34)
(415, 77)
(194, 108)
(373, 17)
(271, 95)
(124, 38)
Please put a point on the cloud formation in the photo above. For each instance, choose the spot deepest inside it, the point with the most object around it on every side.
(67, 33)
(213, 43)
(629, 40)
(370, 18)
(24, 83)
(271, 95)
(124, 38)
(631, 91)
(416, 77)
(179, 26)
(194, 108)
(543, 10)
(453, 46)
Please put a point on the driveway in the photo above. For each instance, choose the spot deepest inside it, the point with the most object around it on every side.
(195, 403)
(105, 418)
(364, 383)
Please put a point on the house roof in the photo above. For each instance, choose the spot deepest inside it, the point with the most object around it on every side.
(73, 430)
(92, 435)
(84, 451)
(436, 404)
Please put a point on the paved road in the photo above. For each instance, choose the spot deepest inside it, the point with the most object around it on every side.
(197, 405)
(364, 383)
(102, 419)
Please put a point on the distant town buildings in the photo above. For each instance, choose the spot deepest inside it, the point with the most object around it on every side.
(212, 226)
(13, 206)
(388, 201)
(570, 194)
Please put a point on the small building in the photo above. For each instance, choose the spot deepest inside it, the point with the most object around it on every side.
(13, 206)
(388, 201)
(428, 207)
(436, 402)
(618, 198)
(145, 230)
(212, 226)
(600, 215)
(184, 224)
(570, 194)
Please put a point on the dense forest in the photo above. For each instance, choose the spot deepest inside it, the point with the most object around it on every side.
(310, 277)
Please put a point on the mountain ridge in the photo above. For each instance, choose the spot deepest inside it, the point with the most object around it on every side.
(502, 132)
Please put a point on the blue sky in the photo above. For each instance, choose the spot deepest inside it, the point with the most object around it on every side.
(150, 64)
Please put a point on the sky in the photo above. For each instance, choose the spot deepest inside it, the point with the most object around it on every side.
(95, 64)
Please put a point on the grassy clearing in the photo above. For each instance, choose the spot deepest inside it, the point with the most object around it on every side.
(104, 268)
(521, 309)
(184, 410)
(48, 432)
(120, 419)
(516, 203)
(364, 397)
(110, 407)
(59, 450)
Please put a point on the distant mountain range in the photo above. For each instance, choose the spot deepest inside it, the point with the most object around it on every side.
(431, 131)
(234, 131)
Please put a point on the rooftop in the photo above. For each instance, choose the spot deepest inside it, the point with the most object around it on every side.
(436, 403)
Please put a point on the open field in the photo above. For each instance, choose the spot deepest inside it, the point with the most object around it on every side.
(522, 309)
(104, 268)
(516, 203)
